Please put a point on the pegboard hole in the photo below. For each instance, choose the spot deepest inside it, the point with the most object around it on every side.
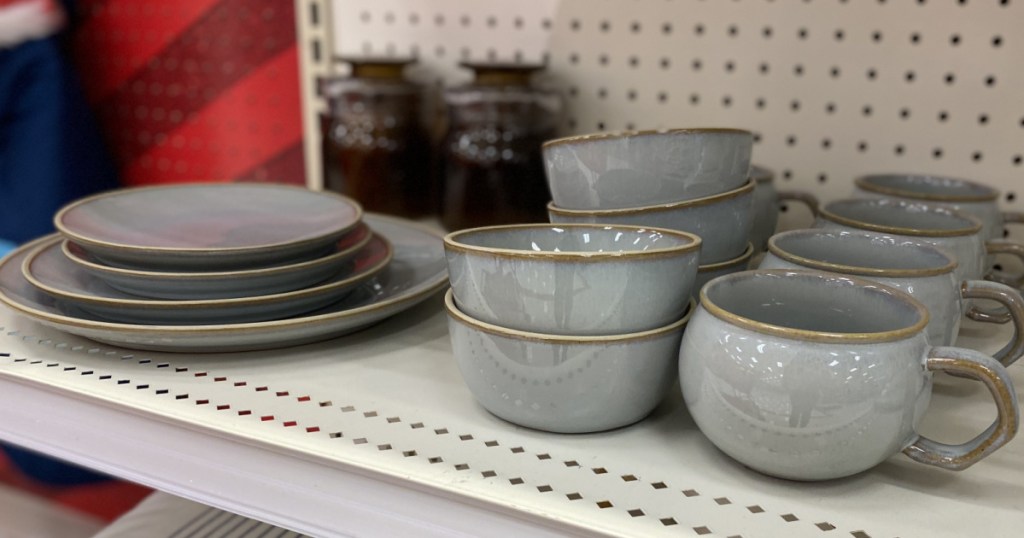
(698, 29)
(839, 35)
(954, 40)
(915, 38)
(904, 113)
(976, 156)
(798, 70)
(997, 41)
(830, 108)
(943, 116)
(950, 78)
(696, 64)
(802, 33)
(767, 32)
(898, 149)
(990, 81)
(1017, 160)
(909, 76)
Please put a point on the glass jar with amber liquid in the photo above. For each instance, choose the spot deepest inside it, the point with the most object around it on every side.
(375, 147)
(491, 153)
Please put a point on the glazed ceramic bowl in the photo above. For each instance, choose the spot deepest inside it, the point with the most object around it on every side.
(640, 168)
(922, 271)
(565, 384)
(766, 205)
(578, 279)
(723, 220)
(810, 376)
(711, 271)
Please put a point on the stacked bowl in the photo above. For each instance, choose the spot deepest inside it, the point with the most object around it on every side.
(569, 328)
(691, 180)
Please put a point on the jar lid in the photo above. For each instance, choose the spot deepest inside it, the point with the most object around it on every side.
(377, 67)
(502, 74)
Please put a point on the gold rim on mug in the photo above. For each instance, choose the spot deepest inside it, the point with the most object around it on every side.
(747, 188)
(778, 251)
(613, 135)
(817, 336)
(864, 182)
(218, 275)
(193, 304)
(451, 242)
(429, 288)
(742, 258)
(461, 317)
(194, 251)
(975, 227)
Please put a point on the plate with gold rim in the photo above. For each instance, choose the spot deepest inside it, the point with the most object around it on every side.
(207, 226)
(417, 271)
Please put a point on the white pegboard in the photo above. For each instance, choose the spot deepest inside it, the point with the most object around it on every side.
(832, 88)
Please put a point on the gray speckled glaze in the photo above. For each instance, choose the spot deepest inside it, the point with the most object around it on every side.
(709, 272)
(932, 221)
(208, 226)
(972, 198)
(564, 384)
(587, 280)
(799, 408)
(225, 284)
(415, 273)
(922, 271)
(766, 205)
(617, 170)
(53, 273)
(722, 221)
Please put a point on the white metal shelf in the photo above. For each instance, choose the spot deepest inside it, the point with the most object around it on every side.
(374, 434)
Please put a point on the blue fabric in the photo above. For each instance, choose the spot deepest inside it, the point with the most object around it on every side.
(51, 151)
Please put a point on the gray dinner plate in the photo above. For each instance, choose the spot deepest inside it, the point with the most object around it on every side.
(417, 270)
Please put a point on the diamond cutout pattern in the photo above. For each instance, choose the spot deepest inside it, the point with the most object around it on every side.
(790, 518)
(701, 531)
(825, 526)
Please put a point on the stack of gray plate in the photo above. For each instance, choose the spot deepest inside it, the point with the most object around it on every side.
(210, 255)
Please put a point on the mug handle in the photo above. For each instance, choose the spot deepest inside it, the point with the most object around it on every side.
(1011, 299)
(805, 198)
(999, 246)
(983, 368)
(1013, 217)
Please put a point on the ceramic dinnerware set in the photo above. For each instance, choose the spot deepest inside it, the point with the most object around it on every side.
(219, 267)
(817, 365)
(574, 326)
